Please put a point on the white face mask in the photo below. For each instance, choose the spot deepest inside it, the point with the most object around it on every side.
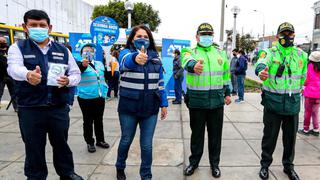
(238, 55)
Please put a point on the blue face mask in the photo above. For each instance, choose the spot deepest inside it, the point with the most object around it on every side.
(38, 34)
(138, 43)
(88, 55)
(206, 40)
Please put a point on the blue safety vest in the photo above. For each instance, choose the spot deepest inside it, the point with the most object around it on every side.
(93, 84)
(41, 94)
(139, 88)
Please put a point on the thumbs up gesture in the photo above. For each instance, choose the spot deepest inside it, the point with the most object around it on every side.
(34, 77)
(198, 68)
(142, 57)
(263, 75)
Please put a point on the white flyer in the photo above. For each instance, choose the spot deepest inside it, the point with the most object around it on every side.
(55, 72)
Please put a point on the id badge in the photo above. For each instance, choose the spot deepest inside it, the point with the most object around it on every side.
(55, 72)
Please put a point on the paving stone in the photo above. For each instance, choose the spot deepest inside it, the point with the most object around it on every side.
(245, 117)
(15, 171)
(305, 154)
(166, 152)
(304, 172)
(132, 172)
(233, 153)
(11, 147)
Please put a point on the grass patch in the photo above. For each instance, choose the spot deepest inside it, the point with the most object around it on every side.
(252, 86)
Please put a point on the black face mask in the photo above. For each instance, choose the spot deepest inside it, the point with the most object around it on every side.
(234, 55)
(286, 41)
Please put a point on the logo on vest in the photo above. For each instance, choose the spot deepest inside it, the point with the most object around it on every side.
(220, 60)
(57, 54)
(300, 63)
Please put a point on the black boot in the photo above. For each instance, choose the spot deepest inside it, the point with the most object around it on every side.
(264, 173)
(190, 170)
(120, 174)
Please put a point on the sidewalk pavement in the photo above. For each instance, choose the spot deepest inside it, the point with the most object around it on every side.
(241, 147)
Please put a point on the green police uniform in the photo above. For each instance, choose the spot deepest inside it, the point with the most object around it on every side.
(281, 99)
(205, 99)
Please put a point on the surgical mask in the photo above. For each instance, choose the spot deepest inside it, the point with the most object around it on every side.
(88, 56)
(38, 34)
(138, 43)
(286, 41)
(206, 40)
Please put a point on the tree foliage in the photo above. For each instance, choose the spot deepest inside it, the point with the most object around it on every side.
(142, 14)
(247, 43)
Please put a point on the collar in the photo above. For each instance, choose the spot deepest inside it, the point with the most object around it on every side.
(49, 44)
(285, 50)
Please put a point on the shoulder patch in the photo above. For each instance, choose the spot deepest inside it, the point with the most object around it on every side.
(263, 54)
(187, 54)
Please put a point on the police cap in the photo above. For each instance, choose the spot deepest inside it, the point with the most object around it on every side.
(285, 27)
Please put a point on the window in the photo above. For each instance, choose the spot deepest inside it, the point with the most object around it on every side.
(17, 35)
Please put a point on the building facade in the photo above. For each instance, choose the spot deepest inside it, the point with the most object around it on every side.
(66, 15)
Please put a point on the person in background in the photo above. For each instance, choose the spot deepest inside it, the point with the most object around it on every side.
(233, 67)
(5, 79)
(241, 67)
(142, 93)
(311, 93)
(178, 77)
(43, 71)
(113, 81)
(92, 91)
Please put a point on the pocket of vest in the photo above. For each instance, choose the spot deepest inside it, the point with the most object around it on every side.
(130, 94)
(273, 102)
(292, 104)
(199, 99)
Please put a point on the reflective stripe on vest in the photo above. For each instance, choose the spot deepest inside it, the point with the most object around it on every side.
(136, 86)
(199, 88)
(211, 73)
(133, 75)
(281, 91)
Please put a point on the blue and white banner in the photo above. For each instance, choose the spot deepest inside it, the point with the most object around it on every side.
(104, 31)
(168, 47)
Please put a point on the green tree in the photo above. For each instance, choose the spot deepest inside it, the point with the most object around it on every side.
(247, 43)
(142, 14)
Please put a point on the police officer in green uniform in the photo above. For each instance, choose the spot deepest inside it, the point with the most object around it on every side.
(282, 69)
(207, 92)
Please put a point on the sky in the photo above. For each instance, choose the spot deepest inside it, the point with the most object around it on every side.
(180, 18)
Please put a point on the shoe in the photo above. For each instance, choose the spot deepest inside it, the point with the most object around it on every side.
(190, 170)
(120, 174)
(176, 102)
(91, 148)
(292, 175)
(239, 101)
(264, 173)
(216, 172)
(103, 145)
(314, 132)
(303, 132)
(73, 176)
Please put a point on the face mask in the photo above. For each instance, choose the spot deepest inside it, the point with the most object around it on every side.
(38, 34)
(238, 55)
(286, 41)
(88, 55)
(138, 43)
(234, 55)
(206, 40)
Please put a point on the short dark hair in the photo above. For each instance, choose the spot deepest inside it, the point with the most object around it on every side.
(176, 51)
(235, 50)
(242, 52)
(37, 15)
(130, 44)
(87, 45)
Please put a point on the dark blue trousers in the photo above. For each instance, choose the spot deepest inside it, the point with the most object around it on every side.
(35, 123)
(178, 88)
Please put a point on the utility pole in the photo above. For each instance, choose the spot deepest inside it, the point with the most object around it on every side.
(223, 2)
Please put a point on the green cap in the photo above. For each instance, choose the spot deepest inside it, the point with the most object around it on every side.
(205, 28)
(285, 27)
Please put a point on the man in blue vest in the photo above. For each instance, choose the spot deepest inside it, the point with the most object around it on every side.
(43, 71)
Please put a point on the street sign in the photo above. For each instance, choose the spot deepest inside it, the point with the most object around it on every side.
(104, 31)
